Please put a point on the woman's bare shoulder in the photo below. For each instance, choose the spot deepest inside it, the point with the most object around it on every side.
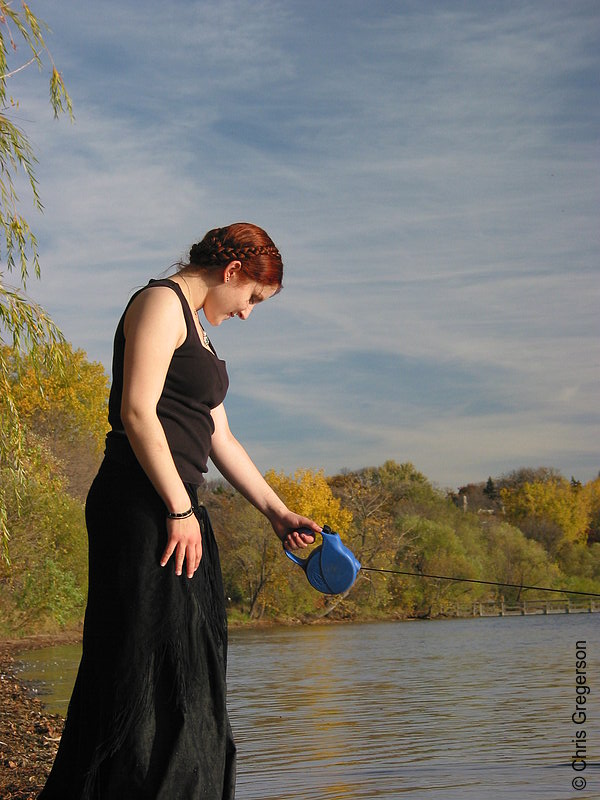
(158, 306)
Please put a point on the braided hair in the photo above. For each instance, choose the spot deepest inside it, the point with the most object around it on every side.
(243, 242)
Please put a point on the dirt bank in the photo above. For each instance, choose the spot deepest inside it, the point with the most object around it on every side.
(28, 735)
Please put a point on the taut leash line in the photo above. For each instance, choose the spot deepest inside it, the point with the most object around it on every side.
(473, 580)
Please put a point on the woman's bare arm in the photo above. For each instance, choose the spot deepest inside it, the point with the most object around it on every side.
(154, 328)
(234, 463)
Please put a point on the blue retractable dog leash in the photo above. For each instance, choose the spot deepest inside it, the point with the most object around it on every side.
(332, 568)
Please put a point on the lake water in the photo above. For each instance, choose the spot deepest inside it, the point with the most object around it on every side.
(477, 709)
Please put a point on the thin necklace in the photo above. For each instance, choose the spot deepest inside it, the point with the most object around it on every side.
(205, 338)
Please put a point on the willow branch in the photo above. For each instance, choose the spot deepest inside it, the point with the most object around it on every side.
(23, 66)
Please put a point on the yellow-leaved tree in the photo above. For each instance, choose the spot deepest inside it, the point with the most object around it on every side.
(552, 512)
(65, 408)
(592, 496)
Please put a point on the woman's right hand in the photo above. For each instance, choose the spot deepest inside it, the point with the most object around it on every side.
(185, 541)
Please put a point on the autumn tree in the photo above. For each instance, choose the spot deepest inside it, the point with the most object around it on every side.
(592, 495)
(517, 477)
(371, 504)
(254, 564)
(550, 511)
(385, 502)
(65, 408)
(24, 325)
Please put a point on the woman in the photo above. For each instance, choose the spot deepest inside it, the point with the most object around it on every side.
(148, 718)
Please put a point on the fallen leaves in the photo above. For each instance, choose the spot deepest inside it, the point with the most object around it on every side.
(28, 737)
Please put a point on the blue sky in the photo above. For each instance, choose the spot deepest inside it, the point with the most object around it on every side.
(430, 172)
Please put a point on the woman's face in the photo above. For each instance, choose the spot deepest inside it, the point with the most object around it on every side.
(235, 297)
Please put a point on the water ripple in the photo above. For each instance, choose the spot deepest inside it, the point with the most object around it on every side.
(453, 710)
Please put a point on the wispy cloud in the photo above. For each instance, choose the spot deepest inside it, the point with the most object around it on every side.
(430, 172)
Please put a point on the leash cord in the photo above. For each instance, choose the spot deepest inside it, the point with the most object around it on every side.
(488, 583)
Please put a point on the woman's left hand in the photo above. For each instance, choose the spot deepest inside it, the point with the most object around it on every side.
(288, 527)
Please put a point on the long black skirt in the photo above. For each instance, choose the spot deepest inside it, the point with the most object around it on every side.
(148, 718)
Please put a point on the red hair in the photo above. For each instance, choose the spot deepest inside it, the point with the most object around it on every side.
(243, 242)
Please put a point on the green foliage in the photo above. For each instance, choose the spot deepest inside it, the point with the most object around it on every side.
(490, 489)
(375, 496)
(514, 558)
(44, 586)
(50, 593)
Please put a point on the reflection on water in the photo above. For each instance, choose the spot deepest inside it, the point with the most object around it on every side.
(450, 710)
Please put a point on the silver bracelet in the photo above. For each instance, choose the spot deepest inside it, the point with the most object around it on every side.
(180, 514)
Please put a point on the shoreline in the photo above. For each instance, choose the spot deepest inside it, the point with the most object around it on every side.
(29, 736)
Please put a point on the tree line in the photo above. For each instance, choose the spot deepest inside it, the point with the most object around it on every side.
(526, 527)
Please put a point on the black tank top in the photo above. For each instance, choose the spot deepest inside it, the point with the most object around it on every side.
(196, 382)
